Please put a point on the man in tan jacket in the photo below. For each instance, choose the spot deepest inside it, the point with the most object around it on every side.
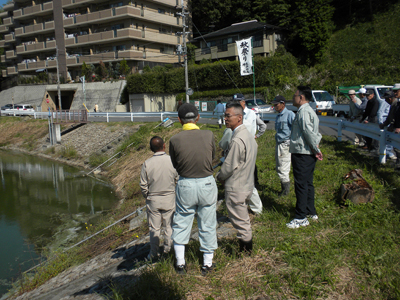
(157, 182)
(237, 172)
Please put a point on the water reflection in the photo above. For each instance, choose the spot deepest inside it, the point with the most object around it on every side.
(38, 197)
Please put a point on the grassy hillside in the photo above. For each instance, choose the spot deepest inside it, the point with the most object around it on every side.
(351, 253)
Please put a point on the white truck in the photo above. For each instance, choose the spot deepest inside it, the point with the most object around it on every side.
(342, 110)
(322, 102)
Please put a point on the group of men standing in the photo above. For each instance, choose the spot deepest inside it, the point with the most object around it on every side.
(369, 109)
(189, 167)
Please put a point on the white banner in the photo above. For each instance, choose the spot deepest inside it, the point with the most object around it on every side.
(245, 56)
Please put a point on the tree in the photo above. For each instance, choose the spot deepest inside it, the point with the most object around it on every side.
(85, 71)
(110, 70)
(101, 70)
(124, 68)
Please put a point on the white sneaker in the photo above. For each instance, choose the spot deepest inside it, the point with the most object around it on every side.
(313, 217)
(296, 223)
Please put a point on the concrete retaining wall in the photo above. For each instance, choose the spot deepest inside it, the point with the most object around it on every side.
(106, 95)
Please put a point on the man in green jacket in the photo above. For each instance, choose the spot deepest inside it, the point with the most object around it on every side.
(304, 146)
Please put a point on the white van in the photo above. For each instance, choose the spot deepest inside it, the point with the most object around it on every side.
(322, 102)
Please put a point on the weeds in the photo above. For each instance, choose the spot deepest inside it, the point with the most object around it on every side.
(68, 151)
(97, 159)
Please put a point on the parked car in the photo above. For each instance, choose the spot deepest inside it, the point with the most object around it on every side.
(7, 106)
(18, 108)
(259, 106)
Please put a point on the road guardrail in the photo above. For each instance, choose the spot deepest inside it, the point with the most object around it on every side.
(370, 130)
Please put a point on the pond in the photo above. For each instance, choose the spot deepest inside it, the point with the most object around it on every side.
(43, 204)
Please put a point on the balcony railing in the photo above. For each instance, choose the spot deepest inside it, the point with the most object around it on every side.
(3, 58)
(36, 47)
(29, 66)
(9, 6)
(4, 73)
(10, 54)
(3, 28)
(129, 54)
(12, 70)
(168, 2)
(8, 21)
(107, 35)
(34, 29)
(32, 10)
(165, 19)
(9, 37)
(101, 15)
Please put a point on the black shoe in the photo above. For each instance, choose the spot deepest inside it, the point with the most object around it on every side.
(206, 269)
(246, 246)
(181, 269)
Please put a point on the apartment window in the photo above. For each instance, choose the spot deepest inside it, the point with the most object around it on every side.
(137, 48)
(162, 50)
(162, 30)
(137, 26)
(161, 11)
(135, 4)
(119, 48)
(116, 4)
(258, 40)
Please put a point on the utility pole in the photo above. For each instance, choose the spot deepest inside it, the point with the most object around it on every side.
(183, 50)
(58, 83)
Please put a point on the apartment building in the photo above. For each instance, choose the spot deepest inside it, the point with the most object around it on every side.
(90, 31)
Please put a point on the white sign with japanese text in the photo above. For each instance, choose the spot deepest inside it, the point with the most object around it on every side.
(203, 106)
(245, 56)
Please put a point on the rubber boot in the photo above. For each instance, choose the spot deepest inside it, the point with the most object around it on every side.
(285, 189)
(245, 246)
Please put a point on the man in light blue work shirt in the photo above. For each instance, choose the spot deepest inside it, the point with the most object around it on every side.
(220, 110)
(304, 147)
(283, 127)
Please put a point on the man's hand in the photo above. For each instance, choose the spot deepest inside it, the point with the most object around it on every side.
(319, 156)
(365, 122)
(397, 130)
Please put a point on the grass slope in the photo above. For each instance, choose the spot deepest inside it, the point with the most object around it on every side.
(351, 253)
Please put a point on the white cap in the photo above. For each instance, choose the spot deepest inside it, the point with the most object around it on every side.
(362, 91)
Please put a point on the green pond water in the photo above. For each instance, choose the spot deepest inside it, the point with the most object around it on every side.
(43, 204)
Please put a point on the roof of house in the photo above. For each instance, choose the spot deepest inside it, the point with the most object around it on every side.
(239, 28)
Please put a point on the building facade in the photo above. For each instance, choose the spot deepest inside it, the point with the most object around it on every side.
(36, 32)
(221, 43)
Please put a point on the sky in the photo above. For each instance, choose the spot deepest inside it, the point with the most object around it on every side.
(2, 2)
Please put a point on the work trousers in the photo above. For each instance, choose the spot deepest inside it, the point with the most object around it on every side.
(303, 173)
(371, 143)
(254, 202)
(157, 217)
(196, 195)
(282, 159)
(221, 119)
(238, 214)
